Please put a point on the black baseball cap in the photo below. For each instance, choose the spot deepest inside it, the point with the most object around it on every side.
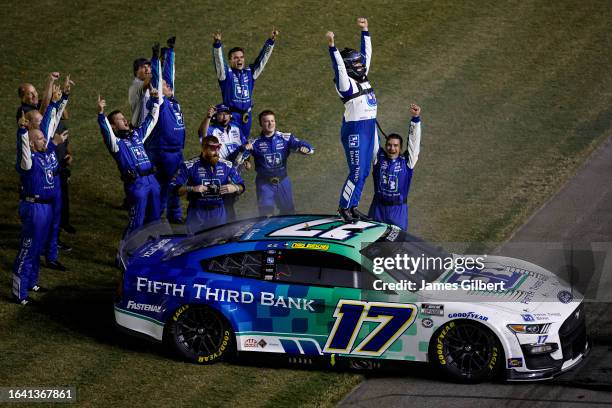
(139, 62)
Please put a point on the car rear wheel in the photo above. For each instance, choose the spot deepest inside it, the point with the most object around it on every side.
(200, 334)
(466, 351)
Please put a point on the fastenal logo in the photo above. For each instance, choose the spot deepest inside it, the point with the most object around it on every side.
(144, 307)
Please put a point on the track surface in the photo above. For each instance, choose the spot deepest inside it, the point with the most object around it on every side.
(575, 228)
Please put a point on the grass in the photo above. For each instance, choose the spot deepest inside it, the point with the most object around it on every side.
(515, 95)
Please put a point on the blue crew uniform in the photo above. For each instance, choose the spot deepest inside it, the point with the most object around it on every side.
(137, 172)
(51, 251)
(392, 179)
(358, 134)
(37, 173)
(206, 210)
(237, 84)
(272, 183)
(165, 145)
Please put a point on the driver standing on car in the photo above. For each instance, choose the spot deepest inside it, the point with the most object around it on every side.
(205, 180)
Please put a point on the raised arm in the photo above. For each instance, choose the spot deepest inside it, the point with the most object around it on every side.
(205, 124)
(168, 70)
(48, 123)
(264, 54)
(24, 152)
(366, 42)
(218, 57)
(414, 137)
(144, 131)
(341, 76)
(61, 106)
(48, 91)
(156, 73)
(110, 140)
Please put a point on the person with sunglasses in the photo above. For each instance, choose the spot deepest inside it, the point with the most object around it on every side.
(205, 180)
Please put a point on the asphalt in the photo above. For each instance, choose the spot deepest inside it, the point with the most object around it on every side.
(571, 235)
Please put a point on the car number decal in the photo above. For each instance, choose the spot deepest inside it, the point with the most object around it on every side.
(393, 319)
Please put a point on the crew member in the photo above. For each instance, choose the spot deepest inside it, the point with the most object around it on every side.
(206, 179)
(36, 164)
(271, 151)
(237, 81)
(126, 145)
(393, 173)
(165, 146)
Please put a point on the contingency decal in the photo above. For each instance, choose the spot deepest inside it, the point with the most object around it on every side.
(393, 319)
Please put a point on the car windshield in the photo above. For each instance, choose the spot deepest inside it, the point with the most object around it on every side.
(213, 236)
(425, 261)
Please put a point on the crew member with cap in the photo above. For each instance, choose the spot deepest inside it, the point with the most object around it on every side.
(358, 133)
(237, 80)
(36, 164)
(231, 138)
(138, 94)
(165, 146)
(271, 150)
(205, 180)
(393, 172)
(126, 145)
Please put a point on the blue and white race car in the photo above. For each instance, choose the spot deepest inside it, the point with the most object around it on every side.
(311, 286)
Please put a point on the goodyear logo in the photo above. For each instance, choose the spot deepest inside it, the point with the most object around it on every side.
(303, 245)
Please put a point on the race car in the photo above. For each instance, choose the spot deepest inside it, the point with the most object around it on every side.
(313, 286)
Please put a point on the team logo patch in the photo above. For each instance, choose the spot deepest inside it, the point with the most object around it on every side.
(564, 296)
(353, 141)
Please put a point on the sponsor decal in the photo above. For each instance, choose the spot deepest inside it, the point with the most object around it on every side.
(155, 248)
(303, 245)
(262, 343)
(440, 345)
(493, 360)
(250, 343)
(515, 362)
(143, 307)
(219, 352)
(432, 309)
(528, 318)
(263, 298)
(564, 296)
(468, 315)
(166, 288)
(427, 323)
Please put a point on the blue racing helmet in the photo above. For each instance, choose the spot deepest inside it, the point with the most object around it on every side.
(354, 61)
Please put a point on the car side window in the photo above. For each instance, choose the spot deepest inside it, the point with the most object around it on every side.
(318, 268)
(245, 264)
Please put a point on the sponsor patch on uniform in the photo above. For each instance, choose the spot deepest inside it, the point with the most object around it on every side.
(353, 141)
(515, 362)
(564, 296)
(432, 309)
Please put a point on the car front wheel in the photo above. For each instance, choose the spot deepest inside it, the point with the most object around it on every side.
(200, 334)
(466, 351)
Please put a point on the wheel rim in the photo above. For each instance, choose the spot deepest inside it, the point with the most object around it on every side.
(200, 330)
(468, 349)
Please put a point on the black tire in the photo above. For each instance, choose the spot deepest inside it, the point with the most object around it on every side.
(466, 352)
(200, 334)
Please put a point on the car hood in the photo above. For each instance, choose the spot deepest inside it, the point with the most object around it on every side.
(528, 287)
